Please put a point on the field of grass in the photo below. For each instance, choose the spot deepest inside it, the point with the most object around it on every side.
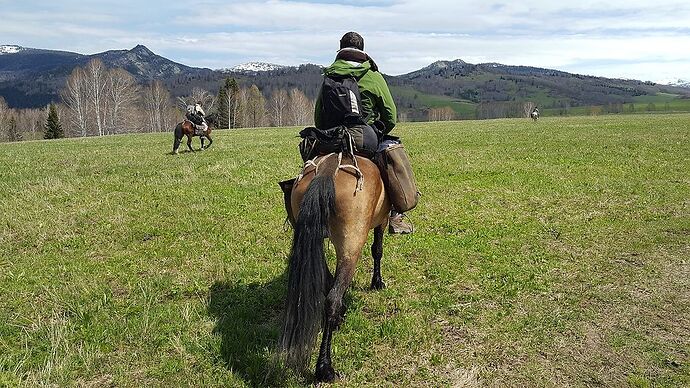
(549, 253)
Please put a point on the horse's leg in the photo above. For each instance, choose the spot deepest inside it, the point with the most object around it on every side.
(377, 253)
(348, 251)
(178, 138)
(210, 141)
(202, 142)
(189, 142)
(176, 145)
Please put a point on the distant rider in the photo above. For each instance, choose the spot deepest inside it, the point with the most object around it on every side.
(195, 114)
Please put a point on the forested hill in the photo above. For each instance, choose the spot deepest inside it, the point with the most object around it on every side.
(494, 82)
(33, 77)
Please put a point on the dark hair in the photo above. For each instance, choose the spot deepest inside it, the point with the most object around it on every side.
(352, 39)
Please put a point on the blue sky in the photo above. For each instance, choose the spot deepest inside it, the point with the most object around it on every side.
(624, 39)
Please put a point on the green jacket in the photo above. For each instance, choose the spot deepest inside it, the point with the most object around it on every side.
(377, 102)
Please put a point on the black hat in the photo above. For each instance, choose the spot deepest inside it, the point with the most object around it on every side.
(352, 39)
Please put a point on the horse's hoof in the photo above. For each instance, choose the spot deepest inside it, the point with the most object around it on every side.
(378, 285)
(325, 373)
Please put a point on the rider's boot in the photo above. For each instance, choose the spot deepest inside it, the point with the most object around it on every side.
(396, 224)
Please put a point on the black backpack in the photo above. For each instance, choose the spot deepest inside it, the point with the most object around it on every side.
(341, 103)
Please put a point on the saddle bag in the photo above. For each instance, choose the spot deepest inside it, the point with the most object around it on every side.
(396, 171)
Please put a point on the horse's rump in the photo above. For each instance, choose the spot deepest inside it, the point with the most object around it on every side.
(350, 203)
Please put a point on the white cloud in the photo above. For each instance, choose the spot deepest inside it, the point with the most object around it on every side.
(633, 38)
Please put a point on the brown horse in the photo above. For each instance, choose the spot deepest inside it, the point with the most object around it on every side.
(186, 128)
(341, 202)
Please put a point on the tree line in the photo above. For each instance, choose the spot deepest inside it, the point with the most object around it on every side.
(98, 101)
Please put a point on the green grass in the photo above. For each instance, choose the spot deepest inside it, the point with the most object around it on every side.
(549, 253)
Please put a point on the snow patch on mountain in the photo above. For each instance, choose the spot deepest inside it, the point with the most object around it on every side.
(10, 49)
(675, 82)
(255, 67)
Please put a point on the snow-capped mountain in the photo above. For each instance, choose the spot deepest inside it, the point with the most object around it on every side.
(10, 49)
(255, 67)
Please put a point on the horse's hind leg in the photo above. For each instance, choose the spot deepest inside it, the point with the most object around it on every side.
(176, 145)
(377, 253)
(189, 142)
(348, 252)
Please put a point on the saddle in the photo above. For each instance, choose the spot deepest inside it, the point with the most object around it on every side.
(359, 140)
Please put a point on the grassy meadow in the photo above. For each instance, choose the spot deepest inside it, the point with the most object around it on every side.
(549, 253)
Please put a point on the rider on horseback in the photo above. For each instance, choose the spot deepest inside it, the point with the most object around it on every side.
(378, 109)
(195, 114)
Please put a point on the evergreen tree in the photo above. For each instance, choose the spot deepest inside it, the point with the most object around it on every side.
(53, 128)
(12, 133)
(227, 103)
(233, 93)
(222, 106)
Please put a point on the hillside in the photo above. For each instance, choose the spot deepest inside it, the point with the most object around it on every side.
(33, 77)
(552, 253)
(493, 82)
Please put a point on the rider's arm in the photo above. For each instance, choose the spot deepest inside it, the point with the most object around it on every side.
(317, 112)
(386, 105)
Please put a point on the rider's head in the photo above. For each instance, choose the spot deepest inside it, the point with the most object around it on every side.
(199, 103)
(352, 40)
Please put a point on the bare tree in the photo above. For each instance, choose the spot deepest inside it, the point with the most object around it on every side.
(300, 108)
(256, 107)
(76, 96)
(95, 74)
(527, 108)
(158, 107)
(30, 123)
(441, 114)
(4, 118)
(121, 96)
(278, 107)
(204, 96)
(239, 108)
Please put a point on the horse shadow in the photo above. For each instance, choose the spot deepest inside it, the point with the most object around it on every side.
(248, 322)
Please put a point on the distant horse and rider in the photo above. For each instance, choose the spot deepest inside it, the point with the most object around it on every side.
(535, 114)
(196, 123)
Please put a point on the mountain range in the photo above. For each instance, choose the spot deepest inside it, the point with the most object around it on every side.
(34, 77)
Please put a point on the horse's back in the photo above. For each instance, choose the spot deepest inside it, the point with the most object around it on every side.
(351, 203)
(368, 207)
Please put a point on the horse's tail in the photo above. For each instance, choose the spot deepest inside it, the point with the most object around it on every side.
(308, 274)
(178, 131)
